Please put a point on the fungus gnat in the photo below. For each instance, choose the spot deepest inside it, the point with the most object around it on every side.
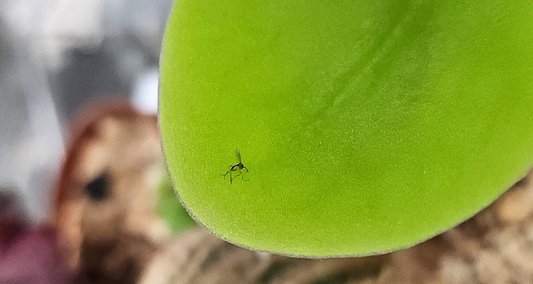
(236, 168)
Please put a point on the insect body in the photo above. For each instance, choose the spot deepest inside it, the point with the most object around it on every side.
(236, 168)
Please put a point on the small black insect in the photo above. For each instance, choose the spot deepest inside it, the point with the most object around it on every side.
(236, 168)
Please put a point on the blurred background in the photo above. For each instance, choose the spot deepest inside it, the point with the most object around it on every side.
(55, 57)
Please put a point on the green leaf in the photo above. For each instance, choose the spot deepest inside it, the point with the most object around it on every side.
(366, 126)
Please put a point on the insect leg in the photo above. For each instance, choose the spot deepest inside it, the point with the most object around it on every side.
(226, 174)
(237, 175)
(229, 171)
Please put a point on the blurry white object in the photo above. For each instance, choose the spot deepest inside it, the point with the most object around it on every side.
(31, 144)
(86, 23)
(145, 92)
(71, 24)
